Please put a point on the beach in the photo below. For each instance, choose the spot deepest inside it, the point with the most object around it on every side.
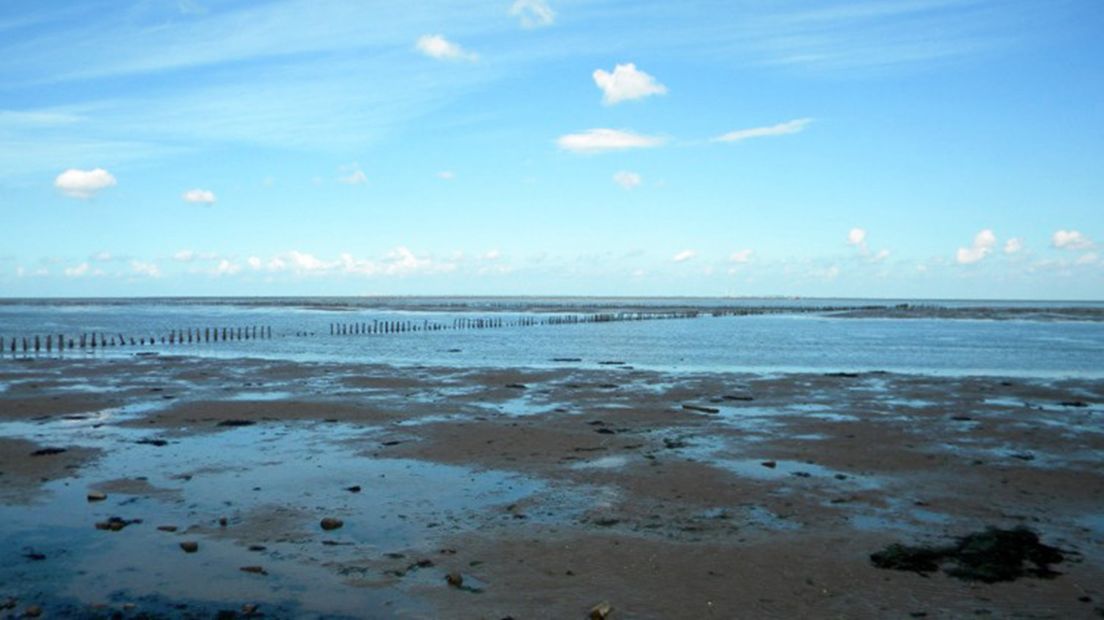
(542, 491)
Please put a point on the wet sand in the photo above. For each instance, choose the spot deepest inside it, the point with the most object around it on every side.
(549, 491)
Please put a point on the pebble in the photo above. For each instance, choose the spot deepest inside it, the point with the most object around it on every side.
(601, 611)
(96, 496)
(770, 464)
(454, 579)
(330, 523)
(32, 611)
(189, 546)
(256, 570)
(353, 489)
(167, 528)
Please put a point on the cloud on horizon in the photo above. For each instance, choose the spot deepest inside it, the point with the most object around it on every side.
(983, 245)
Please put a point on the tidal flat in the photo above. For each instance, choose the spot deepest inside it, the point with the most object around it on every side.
(533, 493)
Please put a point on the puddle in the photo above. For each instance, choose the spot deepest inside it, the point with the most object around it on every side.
(522, 406)
(259, 395)
(606, 462)
(794, 470)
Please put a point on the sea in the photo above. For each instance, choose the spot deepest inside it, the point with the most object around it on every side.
(755, 335)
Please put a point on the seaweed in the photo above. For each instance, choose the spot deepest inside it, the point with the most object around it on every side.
(990, 556)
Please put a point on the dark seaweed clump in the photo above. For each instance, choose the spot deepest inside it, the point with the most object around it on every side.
(989, 556)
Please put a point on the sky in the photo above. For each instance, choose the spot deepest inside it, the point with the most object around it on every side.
(913, 148)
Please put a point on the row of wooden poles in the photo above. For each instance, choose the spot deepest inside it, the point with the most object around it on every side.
(463, 323)
(103, 340)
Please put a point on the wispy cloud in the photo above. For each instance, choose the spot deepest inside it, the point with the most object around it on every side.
(601, 140)
(627, 180)
(741, 257)
(533, 13)
(781, 129)
(683, 256)
(1071, 240)
(199, 196)
(352, 175)
(626, 83)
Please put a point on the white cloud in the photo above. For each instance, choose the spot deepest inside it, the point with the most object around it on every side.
(83, 183)
(302, 261)
(1088, 258)
(354, 176)
(781, 129)
(626, 83)
(533, 13)
(102, 257)
(226, 268)
(446, 175)
(684, 256)
(150, 270)
(880, 256)
(1013, 245)
(254, 262)
(437, 46)
(983, 244)
(184, 256)
(492, 255)
(857, 236)
(78, 271)
(601, 140)
(627, 180)
(1071, 240)
(199, 196)
(742, 256)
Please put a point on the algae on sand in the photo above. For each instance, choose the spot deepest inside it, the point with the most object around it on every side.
(988, 556)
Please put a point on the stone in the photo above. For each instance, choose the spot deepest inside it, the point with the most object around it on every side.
(256, 570)
(601, 611)
(454, 579)
(769, 464)
(701, 409)
(32, 611)
(189, 546)
(96, 496)
(114, 524)
(167, 528)
(330, 523)
(353, 489)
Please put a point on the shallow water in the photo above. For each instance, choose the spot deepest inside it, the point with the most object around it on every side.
(273, 483)
(757, 343)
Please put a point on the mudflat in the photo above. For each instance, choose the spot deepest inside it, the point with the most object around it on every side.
(535, 493)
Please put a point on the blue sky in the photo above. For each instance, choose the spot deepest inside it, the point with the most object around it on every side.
(915, 148)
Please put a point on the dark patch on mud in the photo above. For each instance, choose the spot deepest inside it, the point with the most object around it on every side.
(990, 556)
